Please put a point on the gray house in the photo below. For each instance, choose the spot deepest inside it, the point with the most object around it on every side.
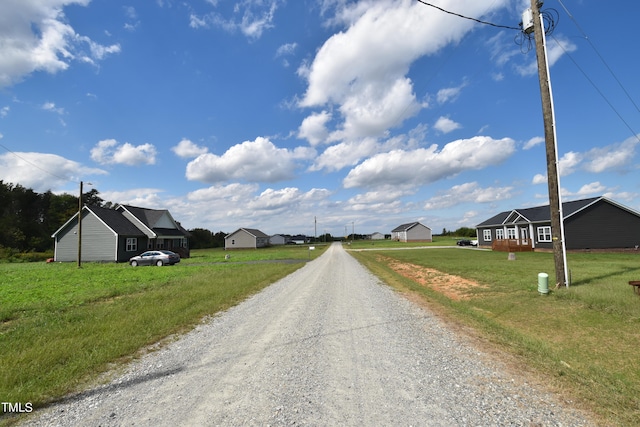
(412, 232)
(246, 238)
(594, 223)
(118, 234)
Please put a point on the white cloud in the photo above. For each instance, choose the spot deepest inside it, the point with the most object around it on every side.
(449, 94)
(37, 37)
(470, 192)
(251, 18)
(611, 157)
(539, 179)
(426, 165)
(286, 49)
(110, 151)
(42, 171)
(313, 128)
(536, 140)
(258, 160)
(446, 125)
(4, 112)
(363, 69)
(188, 150)
(50, 106)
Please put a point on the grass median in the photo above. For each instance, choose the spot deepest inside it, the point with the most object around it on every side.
(582, 340)
(61, 326)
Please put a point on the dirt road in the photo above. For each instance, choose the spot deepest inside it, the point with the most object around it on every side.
(327, 345)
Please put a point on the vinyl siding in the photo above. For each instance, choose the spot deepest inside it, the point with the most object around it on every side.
(602, 226)
(98, 242)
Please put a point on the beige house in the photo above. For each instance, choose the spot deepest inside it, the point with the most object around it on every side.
(411, 232)
(246, 238)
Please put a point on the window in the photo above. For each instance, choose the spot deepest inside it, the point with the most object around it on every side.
(500, 234)
(486, 235)
(511, 233)
(544, 234)
(132, 244)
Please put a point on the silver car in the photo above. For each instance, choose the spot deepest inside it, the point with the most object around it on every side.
(158, 258)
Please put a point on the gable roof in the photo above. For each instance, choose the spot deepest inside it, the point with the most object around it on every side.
(543, 213)
(111, 218)
(406, 227)
(252, 231)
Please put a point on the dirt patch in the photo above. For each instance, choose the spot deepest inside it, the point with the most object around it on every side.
(454, 287)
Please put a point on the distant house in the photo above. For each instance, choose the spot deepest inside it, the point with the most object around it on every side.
(411, 232)
(278, 239)
(377, 236)
(594, 223)
(118, 234)
(300, 239)
(246, 238)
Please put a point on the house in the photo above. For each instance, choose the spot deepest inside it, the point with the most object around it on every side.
(279, 239)
(594, 223)
(118, 234)
(377, 236)
(246, 238)
(411, 232)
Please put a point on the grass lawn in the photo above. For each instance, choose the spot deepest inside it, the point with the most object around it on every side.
(583, 340)
(61, 326)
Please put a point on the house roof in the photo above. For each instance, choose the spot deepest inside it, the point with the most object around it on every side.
(113, 219)
(254, 232)
(406, 227)
(543, 213)
(150, 218)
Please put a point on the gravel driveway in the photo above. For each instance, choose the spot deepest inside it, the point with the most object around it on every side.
(328, 345)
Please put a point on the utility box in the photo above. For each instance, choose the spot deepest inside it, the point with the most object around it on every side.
(527, 21)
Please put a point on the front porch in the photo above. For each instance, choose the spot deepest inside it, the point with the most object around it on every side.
(512, 245)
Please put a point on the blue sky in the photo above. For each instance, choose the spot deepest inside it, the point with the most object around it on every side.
(362, 115)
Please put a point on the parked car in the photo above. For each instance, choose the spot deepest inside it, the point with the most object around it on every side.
(467, 242)
(158, 258)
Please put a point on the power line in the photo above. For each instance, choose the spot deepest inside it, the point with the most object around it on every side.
(599, 56)
(469, 18)
(34, 165)
(597, 89)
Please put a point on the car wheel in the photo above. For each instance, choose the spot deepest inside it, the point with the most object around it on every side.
(134, 263)
(159, 263)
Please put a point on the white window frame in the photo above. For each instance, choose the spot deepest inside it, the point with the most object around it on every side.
(486, 235)
(499, 234)
(132, 244)
(512, 233)
(544, 234)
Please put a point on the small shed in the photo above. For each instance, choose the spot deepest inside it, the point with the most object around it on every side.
(246, 238)
(411, 232)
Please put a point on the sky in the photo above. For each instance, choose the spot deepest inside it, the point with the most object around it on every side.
(317, 116)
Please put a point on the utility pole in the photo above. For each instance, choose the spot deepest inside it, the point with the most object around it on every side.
(80, 227)
(553, 180)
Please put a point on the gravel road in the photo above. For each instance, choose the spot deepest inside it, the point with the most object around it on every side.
(328, 345)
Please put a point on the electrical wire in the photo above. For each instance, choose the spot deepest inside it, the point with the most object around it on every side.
(597, 89)
(35, 165)
(599, 55)
(467, 17)
(550, 19)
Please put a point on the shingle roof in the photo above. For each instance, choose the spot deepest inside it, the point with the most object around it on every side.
(404, 227)
(255, 232)
(540, 213)
(116, 221)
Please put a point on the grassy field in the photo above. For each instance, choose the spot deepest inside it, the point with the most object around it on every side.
(583, 340)
(61, 326)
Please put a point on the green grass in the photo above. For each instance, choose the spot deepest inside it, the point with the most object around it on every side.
(61, 326)
(584, 340)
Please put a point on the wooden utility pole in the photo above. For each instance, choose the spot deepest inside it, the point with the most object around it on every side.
(553, 180)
